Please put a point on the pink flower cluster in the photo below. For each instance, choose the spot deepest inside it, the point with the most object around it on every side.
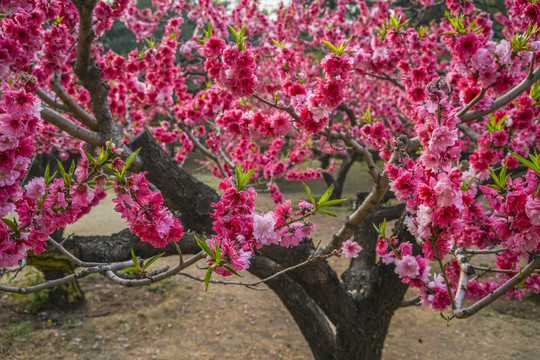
(19, 121)
(254, 125)
(239, 229)
(415, 271)
(42, 210)
(143, 210)
(314, 108)
(516, 217)
(233, 70)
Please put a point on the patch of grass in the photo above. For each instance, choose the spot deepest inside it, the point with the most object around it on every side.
(156, 288)
(16, 330)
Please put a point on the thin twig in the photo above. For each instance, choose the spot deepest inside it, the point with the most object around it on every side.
(472, 103)
(410, 302)
(388, 78)
(485, 251)
(152, 279)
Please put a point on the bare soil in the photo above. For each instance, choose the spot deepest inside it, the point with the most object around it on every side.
(176, 319)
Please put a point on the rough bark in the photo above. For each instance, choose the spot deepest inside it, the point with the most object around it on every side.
(307, 315)
(117, 247)
(182, 192)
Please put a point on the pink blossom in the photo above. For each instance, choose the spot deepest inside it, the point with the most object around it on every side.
(407, 267)
(351, 249)
(442, 138)
(35, 188)
(263, 229)
(532, 208)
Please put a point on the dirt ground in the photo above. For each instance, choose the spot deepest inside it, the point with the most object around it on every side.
(176, 319)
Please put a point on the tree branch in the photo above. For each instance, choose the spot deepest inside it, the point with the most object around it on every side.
(466, 272)
(77, 111)
(356, 218)
(494, 295)
(387, 77)
(66, 279)
(506, 98)
(70, 127)
(50, 101)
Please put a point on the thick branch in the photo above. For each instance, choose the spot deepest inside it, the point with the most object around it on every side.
(307, 315)
(85, 9)
(50, 101)
(349, 112)
(70, 127)
(77, 111)
(182, 191)
(90, 73)
(117, 247)
(350, 141)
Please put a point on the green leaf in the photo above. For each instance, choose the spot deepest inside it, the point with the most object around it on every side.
(326, 194)
(205, 248)
(132, 157)
(47, 176)
(208, 276)
(535, 91)
(502, 175)
(90, 157)
(234, 32)
(135, 260)
(12, 224)
(332, 47)
(152, 260)
(217, 251)
(279, 44)
(208, 32)
(242, 32)
(72, 169)
(331, 202)
(239, 175)
(326, 212)
(131, 269)
(65, 175)
(526, 162)
(495, 179)
(310, 194)
(381, 228)
(467, 186)
(231, 270)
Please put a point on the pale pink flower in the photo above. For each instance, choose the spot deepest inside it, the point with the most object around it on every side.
(532, 209)
(445, 192)
(442, 138)
(351, 249)
(35, 188)
(263, 229)
(407, 267)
